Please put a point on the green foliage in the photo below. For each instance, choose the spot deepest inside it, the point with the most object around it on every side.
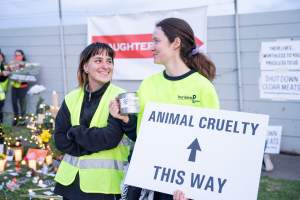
(6, 128)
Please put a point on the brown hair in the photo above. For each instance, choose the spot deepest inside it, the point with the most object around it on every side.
(90, 51)
(173, 28)
(22, 53)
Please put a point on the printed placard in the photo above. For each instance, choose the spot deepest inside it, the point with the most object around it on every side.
(280, 55)
(276, 85)
(273, 139)
(207, 153)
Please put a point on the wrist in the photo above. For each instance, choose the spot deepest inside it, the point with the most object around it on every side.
(125, 119)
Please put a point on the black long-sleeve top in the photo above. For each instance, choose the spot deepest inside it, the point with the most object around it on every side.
(2, 77)
(81, 140)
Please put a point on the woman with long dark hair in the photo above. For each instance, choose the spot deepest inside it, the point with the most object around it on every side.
(188, 72)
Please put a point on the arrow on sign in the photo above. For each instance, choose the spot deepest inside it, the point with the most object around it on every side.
(194, 146)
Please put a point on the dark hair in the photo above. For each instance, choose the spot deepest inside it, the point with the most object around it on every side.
(90, 51)
(173, 28)
(3, 56)
(21, 52)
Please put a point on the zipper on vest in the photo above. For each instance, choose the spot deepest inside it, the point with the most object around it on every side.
(90, 93)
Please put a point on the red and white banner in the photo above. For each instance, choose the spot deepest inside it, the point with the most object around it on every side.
(131, 37)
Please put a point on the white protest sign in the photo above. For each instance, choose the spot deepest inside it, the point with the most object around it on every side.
(130, 35)
(22, 77)
(284, 85)
(280, 55)
(208, 154)
(273, 139)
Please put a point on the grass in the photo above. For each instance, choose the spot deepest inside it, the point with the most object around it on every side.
(277, 189)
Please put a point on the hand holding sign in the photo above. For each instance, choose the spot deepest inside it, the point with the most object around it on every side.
(179, 195)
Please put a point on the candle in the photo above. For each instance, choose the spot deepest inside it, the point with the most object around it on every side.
(18, 154)
(2, 165)
(54, 99)
(49, 159)
(32, 164)
(18, 143)
(40, 118)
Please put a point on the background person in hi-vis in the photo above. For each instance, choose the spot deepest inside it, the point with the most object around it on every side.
(3, 83)
(19, 89)
(186, 80)
(95, 147)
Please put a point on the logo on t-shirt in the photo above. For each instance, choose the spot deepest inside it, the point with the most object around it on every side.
(192, 98)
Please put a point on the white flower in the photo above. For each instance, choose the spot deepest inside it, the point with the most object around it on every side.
(36, 89)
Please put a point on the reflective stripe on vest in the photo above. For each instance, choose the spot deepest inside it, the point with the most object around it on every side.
(94, 163)
(72, 160)
(100, 172)
(105, 164)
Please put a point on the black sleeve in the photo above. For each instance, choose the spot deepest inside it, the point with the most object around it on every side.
(97, 139)
(130, 128)
(62, 142)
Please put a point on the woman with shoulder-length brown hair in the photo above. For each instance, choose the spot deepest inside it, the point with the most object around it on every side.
(95, 149)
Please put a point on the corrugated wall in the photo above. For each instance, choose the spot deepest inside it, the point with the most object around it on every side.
(42, 45)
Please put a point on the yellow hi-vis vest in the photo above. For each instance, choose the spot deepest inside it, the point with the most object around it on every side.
(3, 89)
(16, 84)
(100, 172)
(194, 90)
